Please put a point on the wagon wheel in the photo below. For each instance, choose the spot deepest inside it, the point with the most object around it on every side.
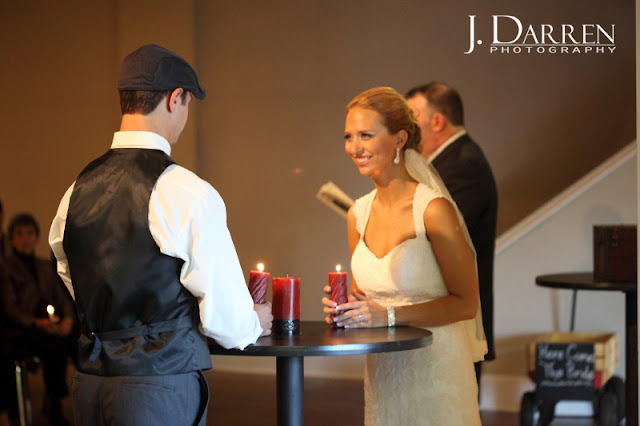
(608, 409)
(528, 409)
(547, 411)
(616, 385)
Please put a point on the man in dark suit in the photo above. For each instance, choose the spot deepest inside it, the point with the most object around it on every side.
(468, 177)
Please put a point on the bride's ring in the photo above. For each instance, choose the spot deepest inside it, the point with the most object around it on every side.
(361, 318)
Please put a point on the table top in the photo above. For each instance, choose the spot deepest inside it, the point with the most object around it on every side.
(317, 338)
(583, 281)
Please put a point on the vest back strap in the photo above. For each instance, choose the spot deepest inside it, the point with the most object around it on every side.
(142, 330)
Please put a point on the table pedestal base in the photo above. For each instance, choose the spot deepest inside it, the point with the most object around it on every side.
(290, 385)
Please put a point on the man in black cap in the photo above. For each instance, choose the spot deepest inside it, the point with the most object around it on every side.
(143, 246)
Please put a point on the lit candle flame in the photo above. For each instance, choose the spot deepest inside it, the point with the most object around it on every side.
(260, 267)
(50, 309)
(338, 268)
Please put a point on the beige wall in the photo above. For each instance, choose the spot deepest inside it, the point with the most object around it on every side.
(60, 72)
(283, 73)
(280, 74)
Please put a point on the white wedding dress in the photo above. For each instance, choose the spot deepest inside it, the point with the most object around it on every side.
(435, 385)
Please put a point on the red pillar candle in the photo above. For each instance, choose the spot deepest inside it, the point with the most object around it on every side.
(258, 282)
(286, 305)
(338, 284)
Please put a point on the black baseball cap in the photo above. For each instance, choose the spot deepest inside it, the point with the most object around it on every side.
(152, 67)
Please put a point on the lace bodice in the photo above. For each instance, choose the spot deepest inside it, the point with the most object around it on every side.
(399, 277)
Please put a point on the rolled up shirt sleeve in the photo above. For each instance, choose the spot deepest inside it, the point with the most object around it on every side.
(187, 219)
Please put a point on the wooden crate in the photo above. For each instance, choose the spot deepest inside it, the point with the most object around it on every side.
(615, 253)
(605, 350)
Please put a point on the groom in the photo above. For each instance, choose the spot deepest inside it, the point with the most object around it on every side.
(143, 246)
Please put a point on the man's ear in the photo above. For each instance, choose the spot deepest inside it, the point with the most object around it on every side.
(174, 99)
(438, 122)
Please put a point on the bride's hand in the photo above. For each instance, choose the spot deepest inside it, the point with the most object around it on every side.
(359, 312)
(330, 306)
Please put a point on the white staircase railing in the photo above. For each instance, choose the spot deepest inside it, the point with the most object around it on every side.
(572, 192)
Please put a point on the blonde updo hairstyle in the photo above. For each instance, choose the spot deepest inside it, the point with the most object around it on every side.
(395, 112)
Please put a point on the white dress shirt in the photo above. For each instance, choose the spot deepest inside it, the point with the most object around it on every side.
(445, 144)
(188, 220)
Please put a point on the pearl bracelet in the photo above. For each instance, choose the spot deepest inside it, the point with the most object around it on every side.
(391, 316)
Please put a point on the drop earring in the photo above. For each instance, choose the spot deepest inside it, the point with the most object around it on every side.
(397, 159)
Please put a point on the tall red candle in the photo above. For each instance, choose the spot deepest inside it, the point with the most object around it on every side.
(258, 282)
(338, 284)
(286, 304)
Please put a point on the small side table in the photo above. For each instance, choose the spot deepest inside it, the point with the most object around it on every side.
(585, 281)
(316, 338)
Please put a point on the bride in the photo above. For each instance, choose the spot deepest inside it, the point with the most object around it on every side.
(413, 264)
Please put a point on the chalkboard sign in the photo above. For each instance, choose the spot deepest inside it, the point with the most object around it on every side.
(565, 370)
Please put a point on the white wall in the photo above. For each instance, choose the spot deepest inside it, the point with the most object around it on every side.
(559, 242)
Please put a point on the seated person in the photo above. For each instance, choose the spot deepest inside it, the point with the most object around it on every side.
(7, 374)
(28, 287)
(4, 241)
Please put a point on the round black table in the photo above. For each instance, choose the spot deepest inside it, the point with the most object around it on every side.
(586, 281)
(316, 338)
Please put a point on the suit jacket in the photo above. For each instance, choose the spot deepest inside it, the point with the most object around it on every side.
(24, 297)
(468, 177)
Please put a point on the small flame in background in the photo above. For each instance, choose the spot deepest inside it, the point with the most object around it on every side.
(338, 268)
(260, 267)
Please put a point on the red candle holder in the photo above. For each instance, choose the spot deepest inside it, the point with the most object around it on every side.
(258, 282)
(338, 284)
(286, 305)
